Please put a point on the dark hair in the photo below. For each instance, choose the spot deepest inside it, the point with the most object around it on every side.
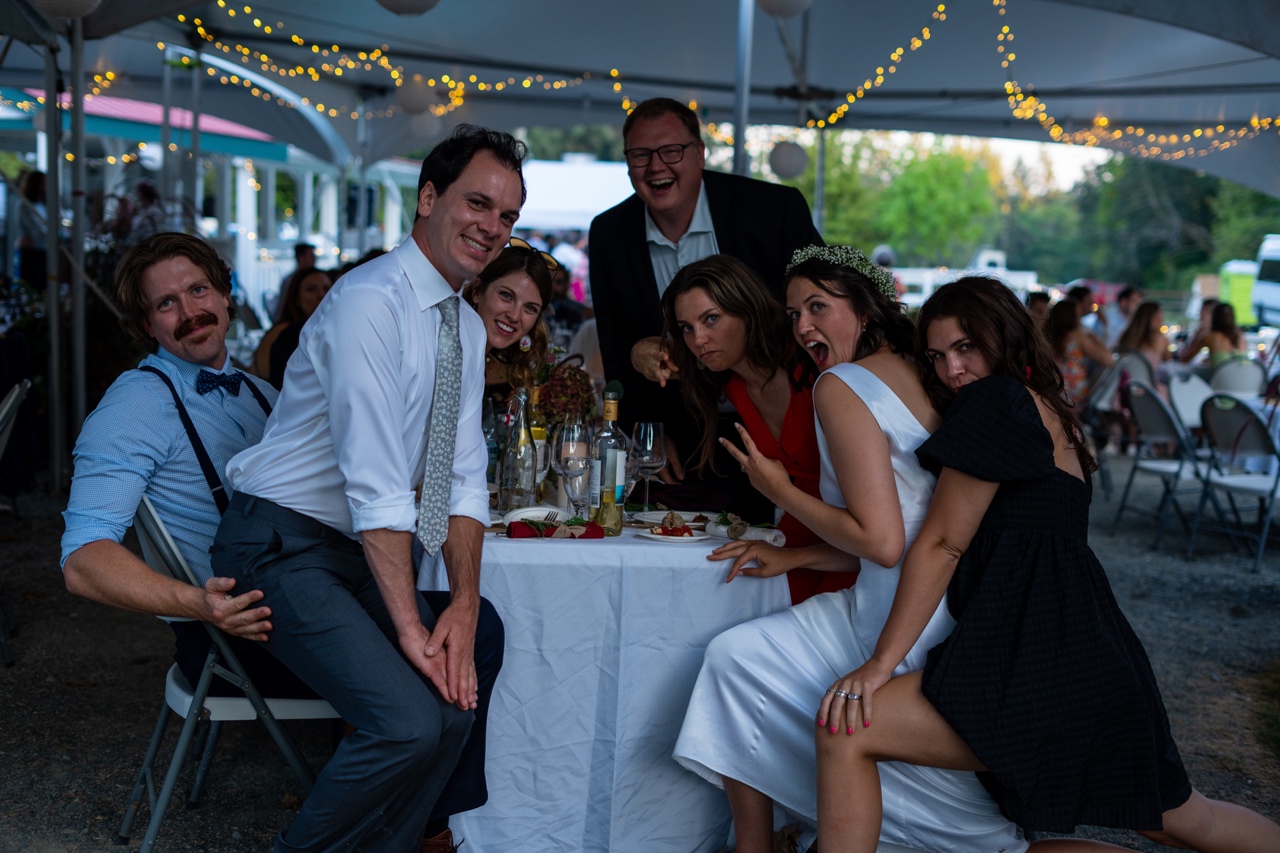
(31, 186)
(1080, 293)
(1064, 318)
(1002, 330)
(447, 160)
(1139, 333)
(884, 319)
(768, 347)
(151, 251)
(1037, 296)
(290, 311)
(1127, 291)
(520, 365)
(658, 107)
(1223, 320)
(300, 248)
(147, 192)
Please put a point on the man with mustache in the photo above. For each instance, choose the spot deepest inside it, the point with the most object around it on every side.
(680, 213)
(382, 398)
(175, 292)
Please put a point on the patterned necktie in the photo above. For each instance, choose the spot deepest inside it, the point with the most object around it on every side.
(442, 432)
(207, 380)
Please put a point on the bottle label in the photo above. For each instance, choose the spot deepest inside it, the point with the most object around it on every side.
(620, 474)
(593, 484)
(541, 460)
(610, 410)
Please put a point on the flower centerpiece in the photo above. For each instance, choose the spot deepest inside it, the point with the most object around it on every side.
(566, 391)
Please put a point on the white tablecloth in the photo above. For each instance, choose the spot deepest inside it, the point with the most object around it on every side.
(604, 642)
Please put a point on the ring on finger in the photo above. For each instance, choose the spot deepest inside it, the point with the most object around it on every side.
(841, 694)
(854, 697)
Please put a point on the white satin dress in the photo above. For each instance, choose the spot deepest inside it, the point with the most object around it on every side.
(753, 710)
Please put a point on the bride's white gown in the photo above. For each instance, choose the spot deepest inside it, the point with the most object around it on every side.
(753, 710)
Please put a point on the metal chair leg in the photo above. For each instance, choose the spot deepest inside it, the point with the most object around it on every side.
(1195, 525)
(1124, 499)
(144, 775)
(211, 742)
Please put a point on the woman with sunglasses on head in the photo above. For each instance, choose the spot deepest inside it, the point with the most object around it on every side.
(1042, 683)
(728, 337)
(508, 294)
(749, 725)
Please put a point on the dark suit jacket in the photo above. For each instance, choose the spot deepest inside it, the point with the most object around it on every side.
(758, 223)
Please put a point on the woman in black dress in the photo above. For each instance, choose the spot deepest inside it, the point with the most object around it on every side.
(1042, 683)
(302, 297)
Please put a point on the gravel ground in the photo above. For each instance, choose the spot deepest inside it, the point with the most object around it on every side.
(78, 707)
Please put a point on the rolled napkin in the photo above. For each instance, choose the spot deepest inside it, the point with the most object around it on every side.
(545, 530)
(730, 526)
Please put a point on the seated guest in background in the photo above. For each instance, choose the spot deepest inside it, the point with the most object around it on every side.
(1005, 546)
(508, 295)
(680, 213)
(302, 296)
(1119, 314)
(382, 397)
(1038, 305)
(564, 315)
(1143, 336)
(304, 257)
(1072, 344)
(175, 294)
(730, 338)
(750, 721)
(1198, 339)
(1225, 340)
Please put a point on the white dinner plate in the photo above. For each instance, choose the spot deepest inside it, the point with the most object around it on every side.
(656, 516)
(536, 513)
(658, 537)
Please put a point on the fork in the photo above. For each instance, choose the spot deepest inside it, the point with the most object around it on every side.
(551, 517)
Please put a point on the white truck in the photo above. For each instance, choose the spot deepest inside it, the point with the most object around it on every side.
(1266, 288)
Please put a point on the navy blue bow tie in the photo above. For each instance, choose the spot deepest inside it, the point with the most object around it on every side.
(208, 380)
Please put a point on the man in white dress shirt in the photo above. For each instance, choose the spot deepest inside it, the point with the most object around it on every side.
(382, 396)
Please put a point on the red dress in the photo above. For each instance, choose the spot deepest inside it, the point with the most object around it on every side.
(797, 449)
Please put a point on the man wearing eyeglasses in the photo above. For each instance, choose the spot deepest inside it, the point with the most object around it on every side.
(679, 214)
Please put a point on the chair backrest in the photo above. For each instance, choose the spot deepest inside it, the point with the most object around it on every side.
(1156, 421)
(1102, 396)
(1234, 430)
(1245, 378)
(1187, 393)
(1139, 369)
(9, 411)
(158, 548)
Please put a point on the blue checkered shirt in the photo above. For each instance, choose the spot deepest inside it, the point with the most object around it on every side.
(134, 444)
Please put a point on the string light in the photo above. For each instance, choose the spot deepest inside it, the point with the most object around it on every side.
(1134, 139)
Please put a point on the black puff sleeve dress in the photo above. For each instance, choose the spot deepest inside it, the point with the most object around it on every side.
(1042, 676)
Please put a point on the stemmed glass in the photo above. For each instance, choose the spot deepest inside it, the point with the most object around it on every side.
(649, 449)
(571, 454)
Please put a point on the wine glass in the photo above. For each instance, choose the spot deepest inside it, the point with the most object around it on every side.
(649, 448)
(571, 454)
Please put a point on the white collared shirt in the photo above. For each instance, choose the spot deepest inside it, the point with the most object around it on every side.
(695, 244)
(346, 444)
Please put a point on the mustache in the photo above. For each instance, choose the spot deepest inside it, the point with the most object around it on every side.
(194, 324)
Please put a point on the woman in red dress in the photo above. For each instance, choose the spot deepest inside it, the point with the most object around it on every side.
(727, 337)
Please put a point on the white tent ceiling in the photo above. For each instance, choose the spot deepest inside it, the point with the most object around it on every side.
(1168, 66)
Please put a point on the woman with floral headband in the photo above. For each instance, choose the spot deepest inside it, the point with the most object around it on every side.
(749, 726)
(508, 294)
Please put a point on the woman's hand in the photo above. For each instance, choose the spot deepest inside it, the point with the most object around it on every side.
(768, 476)
(771, 560)
(850, 698)
(650, 357)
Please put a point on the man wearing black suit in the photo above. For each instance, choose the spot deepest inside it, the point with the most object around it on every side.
(679, 214)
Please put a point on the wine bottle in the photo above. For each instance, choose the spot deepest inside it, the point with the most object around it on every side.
(609, 470)
(538, 429)
(517, 470)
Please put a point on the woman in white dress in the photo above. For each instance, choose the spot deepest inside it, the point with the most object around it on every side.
(750, 722)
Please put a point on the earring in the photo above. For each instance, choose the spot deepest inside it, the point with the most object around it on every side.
(702, 365)
(526, 344)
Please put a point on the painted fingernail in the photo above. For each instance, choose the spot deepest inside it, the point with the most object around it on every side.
(833, 729)
(866, 723)
(821, 723)
(850, 730)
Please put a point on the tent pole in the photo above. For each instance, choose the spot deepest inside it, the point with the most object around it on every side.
(53, 305)
(362, 205)
(193, 150)
(166, 156)
(820, 182)
(78, 355)
(742, 87)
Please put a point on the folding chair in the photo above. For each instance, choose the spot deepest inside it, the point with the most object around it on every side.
(1139, 369)
(1240, 377)
(1159, 425)
(1187, 394)
(9, 416)
(1236, 434)
(1100, 406)
(162, 554)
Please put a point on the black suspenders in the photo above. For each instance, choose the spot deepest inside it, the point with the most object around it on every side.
(202, 456)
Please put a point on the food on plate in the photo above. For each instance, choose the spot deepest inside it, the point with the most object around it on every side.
(672, 525)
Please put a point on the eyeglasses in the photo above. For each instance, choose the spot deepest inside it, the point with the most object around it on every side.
(517, 243)
(638, 158)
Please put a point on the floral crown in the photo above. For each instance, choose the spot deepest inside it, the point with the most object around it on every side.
(851, 258)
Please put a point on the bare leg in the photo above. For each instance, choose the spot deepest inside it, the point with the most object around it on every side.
(1212, 826)
(752, 817)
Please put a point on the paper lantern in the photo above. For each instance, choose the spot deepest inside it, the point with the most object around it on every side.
(408, 7)
(67, 8)
(788, 160)
(424, 125)
(415, 95)
(781, 9)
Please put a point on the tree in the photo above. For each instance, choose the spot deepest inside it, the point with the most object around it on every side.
(551, 143)
(939, 208)
(1241, 217)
